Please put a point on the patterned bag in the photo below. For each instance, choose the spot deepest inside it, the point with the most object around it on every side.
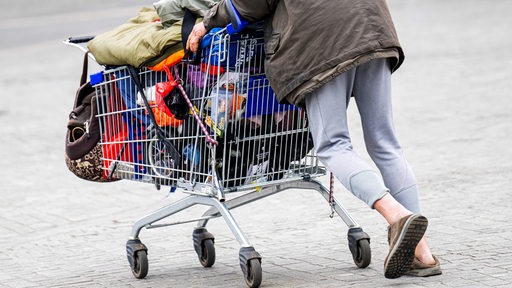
(83, 152)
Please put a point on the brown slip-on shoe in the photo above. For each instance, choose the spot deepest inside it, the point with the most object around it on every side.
(403, 235)
(420, 269)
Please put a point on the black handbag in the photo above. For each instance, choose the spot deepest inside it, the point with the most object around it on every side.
(83, 150)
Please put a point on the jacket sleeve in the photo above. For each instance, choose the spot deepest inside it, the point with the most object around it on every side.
(171, 11)
(250, 10)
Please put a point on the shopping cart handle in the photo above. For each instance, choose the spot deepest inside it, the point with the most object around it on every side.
(80, 39)
(78, 42)
(237, 24)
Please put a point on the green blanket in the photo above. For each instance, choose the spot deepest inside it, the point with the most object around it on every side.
(142, 41)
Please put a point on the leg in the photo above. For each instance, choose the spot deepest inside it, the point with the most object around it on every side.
(327, 118)
(372, 91)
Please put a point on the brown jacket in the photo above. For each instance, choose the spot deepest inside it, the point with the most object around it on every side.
(307, 43)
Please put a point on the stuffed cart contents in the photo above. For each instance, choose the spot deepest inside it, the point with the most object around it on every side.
(217, 120)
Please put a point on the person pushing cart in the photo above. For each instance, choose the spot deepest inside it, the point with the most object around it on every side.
(318, 56)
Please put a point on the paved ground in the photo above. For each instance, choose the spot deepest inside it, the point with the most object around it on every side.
(453, 114)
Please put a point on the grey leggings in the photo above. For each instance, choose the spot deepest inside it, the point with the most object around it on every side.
(370, 84)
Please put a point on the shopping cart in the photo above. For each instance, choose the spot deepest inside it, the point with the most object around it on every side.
(227, 135)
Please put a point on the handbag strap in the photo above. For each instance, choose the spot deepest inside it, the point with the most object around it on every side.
(85, 89)
(85, 68)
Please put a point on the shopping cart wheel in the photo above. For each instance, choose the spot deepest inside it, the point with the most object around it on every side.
(254, 273)
(359, 244)
(140, 269)
(203, 244)
(137, 254)
(250, 262)
(364, 254)
(207, 258)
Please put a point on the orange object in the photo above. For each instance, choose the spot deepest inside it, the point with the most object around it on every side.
(236, 105)
(164, 119)
(170, 61)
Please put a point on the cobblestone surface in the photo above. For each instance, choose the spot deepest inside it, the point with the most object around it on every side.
(453, 115)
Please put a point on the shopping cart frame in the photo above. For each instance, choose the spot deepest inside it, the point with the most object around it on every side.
(214, 198)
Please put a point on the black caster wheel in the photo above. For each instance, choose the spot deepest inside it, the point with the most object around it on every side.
(203, 244)
(364, 254)
(254, 273)
(207, 257)
(140, 268)
(250, 262)
(137, 254)
(359, 245)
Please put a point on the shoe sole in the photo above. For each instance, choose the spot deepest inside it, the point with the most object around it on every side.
(400, 258)
(424, 272)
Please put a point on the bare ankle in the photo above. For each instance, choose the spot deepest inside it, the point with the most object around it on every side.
(423, 253)
(390, 209)
(426, 259)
